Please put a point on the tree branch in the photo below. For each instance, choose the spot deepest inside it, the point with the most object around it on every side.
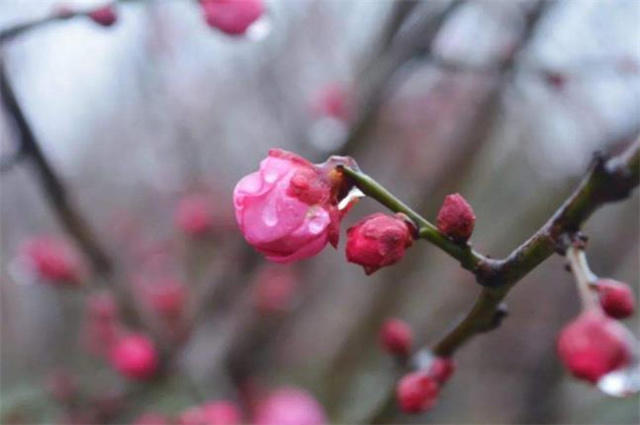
(51, 183)
(608, 180)
(397, 51)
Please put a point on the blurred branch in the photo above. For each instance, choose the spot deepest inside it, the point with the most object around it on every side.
(477, 133)
(383, 66)
(63, 14)
(8, 161)
(51, 183)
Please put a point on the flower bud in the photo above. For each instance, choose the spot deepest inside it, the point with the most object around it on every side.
(135, 357)
(105, 16)
(286, 210)
(456, 218)
(53, 259)
(289, 406)
(616, 298)
(275, 289)
(417, 392)
(333, 101)
(194, 216)
(378, 240)
(221, 412)
(396, 337)
(593, 345)
(166, 297)
(442, 368)
(232, 17)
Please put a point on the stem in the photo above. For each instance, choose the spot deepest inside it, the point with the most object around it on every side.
(580, 268)
(608, 180)
(469, 259)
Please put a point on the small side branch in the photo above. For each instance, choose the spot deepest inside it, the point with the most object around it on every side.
(609, 180)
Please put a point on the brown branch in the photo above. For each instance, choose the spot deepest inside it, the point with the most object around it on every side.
(398, 51)
(51, 183)
(608, 181)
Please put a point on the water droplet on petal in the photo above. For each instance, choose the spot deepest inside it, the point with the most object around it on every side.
(621, 382)
(260, 29)
(270, 175)
(317, 225)
(353, 194)
(269, 214)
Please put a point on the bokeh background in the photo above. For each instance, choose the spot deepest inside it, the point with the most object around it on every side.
(502, 101)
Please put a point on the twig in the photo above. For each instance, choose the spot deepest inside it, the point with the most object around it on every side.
(51, 183)
(8, 161)
(580, 269)
(608, 180)
(384, 66)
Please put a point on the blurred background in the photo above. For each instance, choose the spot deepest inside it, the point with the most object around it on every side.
(159, 115)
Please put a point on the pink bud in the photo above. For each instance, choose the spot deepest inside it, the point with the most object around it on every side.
(167, 297)
(378, 240)
(417, 392)
(53, 259)
(616, 298)
(442, 368)
(333, 101)
(151, 418)
(232, 17)
(593, 345)
(135, 357)
(286, 210)
(275, 289)
(194, 216)
(289, 406)
(221, 412)
(105, 16)
(396, 337)
(456, 218)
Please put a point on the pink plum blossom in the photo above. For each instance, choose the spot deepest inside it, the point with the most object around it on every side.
(289, 406)
(286, 210)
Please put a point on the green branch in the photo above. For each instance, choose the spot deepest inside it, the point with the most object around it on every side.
(608, 180)
(468, 258)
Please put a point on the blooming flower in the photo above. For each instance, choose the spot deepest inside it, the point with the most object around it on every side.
(286, 210)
